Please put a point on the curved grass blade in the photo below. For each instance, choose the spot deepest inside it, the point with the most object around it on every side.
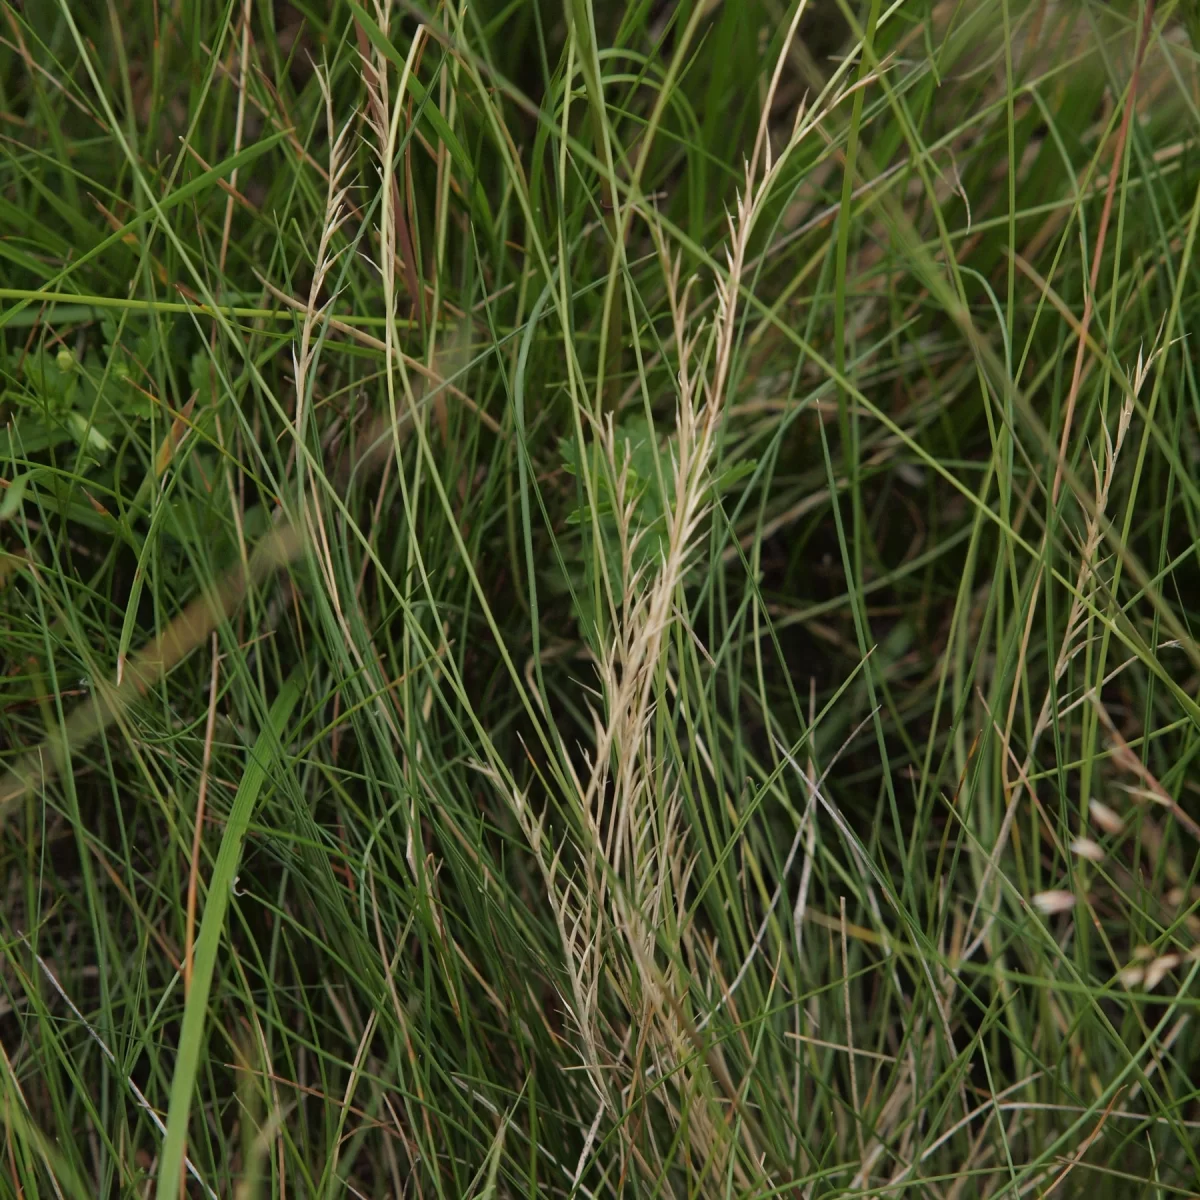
(268, 749)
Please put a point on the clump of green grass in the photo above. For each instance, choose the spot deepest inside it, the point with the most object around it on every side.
(598, 600)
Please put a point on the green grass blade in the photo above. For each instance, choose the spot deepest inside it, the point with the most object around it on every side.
(265, 755)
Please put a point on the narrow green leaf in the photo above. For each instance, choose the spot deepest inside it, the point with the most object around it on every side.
(268, 748)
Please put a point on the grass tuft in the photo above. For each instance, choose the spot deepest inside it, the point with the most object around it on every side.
(599, 599)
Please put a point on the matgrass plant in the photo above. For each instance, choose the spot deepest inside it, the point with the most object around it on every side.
(599, 599)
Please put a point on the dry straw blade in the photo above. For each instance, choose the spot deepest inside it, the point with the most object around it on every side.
(111, 699)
